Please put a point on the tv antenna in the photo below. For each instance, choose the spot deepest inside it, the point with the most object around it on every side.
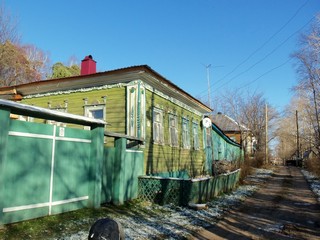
(208, 66)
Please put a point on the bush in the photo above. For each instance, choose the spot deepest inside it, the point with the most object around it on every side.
(225, 166)
(251, 162)
(246, 168)
(259, 160)
(313, 165)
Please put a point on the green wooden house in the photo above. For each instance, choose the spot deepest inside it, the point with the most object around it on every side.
(135, 101)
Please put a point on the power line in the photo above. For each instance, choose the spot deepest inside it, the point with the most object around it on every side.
(265, 43)
(266, 56)
(259, 48)
(265, 73)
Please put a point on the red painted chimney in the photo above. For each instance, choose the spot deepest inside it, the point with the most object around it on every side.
(88, 66)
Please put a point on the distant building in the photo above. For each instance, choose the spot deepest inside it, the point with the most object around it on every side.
(236, 131)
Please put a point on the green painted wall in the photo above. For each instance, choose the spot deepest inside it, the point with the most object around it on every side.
(224, 148)
(115, 105)
(162, 158)
(157, 158)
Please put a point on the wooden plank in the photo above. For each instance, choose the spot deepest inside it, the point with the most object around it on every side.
(44, 113)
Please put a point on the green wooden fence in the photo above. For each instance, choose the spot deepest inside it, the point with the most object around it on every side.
(179, 191)
(121, 169)
(46, 169)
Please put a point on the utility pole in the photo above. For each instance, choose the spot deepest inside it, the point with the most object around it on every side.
(298, 140)
(266, 133)
(208, 79)
(208, 66)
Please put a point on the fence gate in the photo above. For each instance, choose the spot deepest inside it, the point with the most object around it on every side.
(46, 170)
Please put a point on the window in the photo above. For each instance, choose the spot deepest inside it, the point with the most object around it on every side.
(195, 131)
(208, 137)
(158, 136)
(185, 133)
(24, 118)
(59, 108)
(173, 130)
(97, 112)
(96, 109)
(136, 110)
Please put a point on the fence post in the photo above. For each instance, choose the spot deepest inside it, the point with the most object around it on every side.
(119, 168)
(97, 148)
(4, 130)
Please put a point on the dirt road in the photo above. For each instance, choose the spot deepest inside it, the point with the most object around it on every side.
(283, 208)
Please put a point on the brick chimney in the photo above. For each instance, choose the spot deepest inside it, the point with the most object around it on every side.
(88, 65)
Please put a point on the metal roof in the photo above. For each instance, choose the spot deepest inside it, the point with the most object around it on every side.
(227, 124)
(122, 75)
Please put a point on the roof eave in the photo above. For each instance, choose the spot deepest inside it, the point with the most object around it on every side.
(124, 75)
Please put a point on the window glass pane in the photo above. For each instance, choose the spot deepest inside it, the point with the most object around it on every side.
(195, 137)
(157, 117)
(158, 126)
(97, 114)
(208, 135)
(173, 131)
(185, 133)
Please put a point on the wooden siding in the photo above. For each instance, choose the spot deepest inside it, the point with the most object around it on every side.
(235, 136)
(115, 105)
(158, 158)
(162, 157)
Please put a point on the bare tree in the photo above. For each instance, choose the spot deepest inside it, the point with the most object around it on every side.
(308, 68)
(286, 130)
(248, 110)
(8, 26)
(38, 59)
(286, 146)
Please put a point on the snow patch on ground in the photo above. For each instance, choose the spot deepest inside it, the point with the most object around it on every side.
(180, 222)
(313, 181)
(173, 222)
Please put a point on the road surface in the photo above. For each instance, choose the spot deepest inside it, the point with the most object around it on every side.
(283, 208)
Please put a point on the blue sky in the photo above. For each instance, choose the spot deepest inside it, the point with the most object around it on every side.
(247, 42)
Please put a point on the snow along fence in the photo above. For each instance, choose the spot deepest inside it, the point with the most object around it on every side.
(46, 169)
(181, 192)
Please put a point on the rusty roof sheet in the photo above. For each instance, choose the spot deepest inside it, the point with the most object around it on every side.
(227, 124)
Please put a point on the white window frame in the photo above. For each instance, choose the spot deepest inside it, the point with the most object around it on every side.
(207, 136)
(136, 110)
(59, 124)
(185, 133)
(158, 130)
(89, 109)
(195, 136)
(173, 131)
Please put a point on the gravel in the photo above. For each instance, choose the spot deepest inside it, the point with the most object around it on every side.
(173, 222)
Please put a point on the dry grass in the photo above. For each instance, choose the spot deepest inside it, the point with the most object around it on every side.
(249, 163)
(313, 166)
(246, 169)
(259, 160)
(68, 223)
